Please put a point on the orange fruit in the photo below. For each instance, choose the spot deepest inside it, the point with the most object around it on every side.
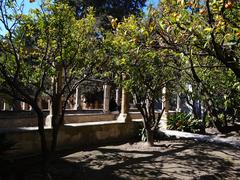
(202, 11)
(238, 34)
(229, 5)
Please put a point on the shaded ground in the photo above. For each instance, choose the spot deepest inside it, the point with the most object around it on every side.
(175, 159)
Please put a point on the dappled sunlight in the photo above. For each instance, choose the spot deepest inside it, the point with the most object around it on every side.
(181, 160)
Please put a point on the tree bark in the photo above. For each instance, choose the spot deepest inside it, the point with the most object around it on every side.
(226, 129)
(44, 146)
(150, 137)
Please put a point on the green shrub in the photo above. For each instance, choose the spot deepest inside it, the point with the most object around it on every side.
(184, 122)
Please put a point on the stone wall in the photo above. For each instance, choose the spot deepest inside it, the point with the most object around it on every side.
(27, 142)
(73, 118)
(29, 119)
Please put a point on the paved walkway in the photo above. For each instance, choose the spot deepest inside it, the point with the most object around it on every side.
(231, 140)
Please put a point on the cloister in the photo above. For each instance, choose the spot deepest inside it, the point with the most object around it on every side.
(82, 126)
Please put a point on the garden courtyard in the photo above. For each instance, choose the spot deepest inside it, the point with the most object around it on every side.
(168, 159)
(122, 89)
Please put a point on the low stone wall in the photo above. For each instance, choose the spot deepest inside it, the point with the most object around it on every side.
(135, 115)
(18, 122)
(74, 118)
(26, 142)
(29, 119)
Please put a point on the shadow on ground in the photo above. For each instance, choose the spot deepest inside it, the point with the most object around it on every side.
(176, 159)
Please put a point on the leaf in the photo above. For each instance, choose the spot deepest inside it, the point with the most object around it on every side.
(208, 29)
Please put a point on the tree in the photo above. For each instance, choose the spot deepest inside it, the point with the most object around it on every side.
(47, 52)
(205, 34)
(115, 8)
(210, 26)
(145, 71)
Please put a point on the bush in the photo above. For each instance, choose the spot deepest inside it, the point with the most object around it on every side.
(184, 122)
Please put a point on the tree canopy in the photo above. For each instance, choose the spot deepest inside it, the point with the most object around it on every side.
(106, 8)
(205, 34)
(47, 52)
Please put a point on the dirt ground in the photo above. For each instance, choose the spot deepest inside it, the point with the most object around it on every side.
(175, 159)
(168, 159)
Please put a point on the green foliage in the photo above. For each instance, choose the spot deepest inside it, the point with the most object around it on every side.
(50, 39)
(47, 52)
(108, 8)
(204, 35)
(145, 69)
(184, 122)
(140, 69)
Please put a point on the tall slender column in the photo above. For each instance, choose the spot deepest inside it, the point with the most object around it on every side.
(48, 119)
(165, 101)
(106, 98)
(6, 106)
(190, 108)
(178, 103)
(49, 105)
(57, 84)
(165, 104)
(24, 106)
(124, 115)
(117, 96)
(77, 99)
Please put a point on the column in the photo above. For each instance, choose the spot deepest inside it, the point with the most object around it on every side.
(6, 106)
(24, 106)
(57, 84)
(165, 102)
(117, 96)
(77, 99)
(49, 104)
(124, 115)
(48, 119)
(106, 98)
(189, 107)
(178, 103)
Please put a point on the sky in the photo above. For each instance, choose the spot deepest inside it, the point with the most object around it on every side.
(28, 6)
(154, 2)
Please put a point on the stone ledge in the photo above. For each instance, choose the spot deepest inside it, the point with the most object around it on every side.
(27, 140)
(31, 121)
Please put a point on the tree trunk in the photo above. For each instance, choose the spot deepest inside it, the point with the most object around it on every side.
(226, 129)
(57, 121)
(44, 147)
(150, 138)
(54, 138)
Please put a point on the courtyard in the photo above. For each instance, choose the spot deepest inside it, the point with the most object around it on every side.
(174, 159)
(135, 90)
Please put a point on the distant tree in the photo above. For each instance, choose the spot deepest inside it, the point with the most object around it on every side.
(105, 8)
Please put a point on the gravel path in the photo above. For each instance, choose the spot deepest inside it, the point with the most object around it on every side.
(168, 159)
(175, 159)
